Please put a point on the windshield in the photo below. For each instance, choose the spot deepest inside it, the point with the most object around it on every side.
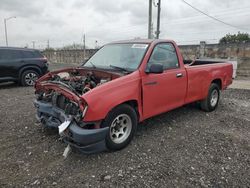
(125, 57)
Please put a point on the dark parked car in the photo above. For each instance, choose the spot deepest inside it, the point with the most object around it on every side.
(21, 65)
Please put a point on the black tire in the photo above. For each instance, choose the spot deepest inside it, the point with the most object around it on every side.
(210, 104)
(26, 74)
(123, 111)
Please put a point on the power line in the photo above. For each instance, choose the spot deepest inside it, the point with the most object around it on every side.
(196, 18)
(216, 19)
(34, 44)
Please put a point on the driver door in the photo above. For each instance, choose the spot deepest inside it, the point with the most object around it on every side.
(165, 91)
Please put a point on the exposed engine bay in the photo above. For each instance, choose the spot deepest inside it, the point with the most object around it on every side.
(78, 81)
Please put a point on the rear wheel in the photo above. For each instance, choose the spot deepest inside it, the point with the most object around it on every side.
(122, 123)
(211, 102)
(29, 77)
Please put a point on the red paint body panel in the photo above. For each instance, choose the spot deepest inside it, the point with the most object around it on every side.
(169, 92)
(154, 93)
(163, 92)
(201, 76)
(105, 97)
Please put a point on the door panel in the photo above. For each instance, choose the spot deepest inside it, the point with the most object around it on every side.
(165, 91)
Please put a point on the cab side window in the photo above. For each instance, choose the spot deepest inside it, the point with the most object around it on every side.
(165, 54)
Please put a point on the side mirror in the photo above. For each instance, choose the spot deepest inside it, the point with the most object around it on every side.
(155, 68)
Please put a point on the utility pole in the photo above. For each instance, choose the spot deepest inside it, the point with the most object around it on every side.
(96, 44)
(5, 28)
(6, 36)
(34, 44)
(48, 44)
(152, 29)
(84, 47)
(150, 19)
(158, 19)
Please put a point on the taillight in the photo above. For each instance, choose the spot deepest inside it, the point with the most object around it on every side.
(45, 59)
(84, 108)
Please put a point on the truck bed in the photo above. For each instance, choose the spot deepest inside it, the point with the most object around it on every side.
(201, 62)
(213, 61)
(199, 77)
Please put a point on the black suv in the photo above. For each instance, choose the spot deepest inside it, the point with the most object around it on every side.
(21, 65)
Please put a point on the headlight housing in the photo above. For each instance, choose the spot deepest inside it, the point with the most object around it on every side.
(84, 110)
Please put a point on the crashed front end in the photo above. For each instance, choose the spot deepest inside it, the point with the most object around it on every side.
(60, 104)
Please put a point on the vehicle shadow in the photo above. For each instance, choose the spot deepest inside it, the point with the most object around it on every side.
(168, 119)
(8, 85)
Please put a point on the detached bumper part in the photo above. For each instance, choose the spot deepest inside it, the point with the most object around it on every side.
(86, 140)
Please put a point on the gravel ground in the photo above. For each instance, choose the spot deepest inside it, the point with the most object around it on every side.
(241, 83)
(183, 148)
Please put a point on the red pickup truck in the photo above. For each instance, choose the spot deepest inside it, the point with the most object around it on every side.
(98, 105)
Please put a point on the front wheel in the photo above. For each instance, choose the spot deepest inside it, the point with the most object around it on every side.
(211, 102)
(29, 77)
(122, 123)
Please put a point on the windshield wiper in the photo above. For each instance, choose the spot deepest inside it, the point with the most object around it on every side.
(93, 65)
(119, 68)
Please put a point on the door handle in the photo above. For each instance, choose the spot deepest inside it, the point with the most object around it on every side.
(151, 83)
(179, 75)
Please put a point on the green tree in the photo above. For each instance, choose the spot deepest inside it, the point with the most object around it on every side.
(235, 38)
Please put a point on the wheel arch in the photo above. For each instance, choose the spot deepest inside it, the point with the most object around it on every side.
(218, 82)
(134, 105)
(131, 103)
(34, 68)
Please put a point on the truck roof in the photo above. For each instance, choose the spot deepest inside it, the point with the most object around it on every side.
(147, 41)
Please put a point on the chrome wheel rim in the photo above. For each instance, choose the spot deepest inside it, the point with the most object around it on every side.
(120, 128)
(214, 98)
(30, 78)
